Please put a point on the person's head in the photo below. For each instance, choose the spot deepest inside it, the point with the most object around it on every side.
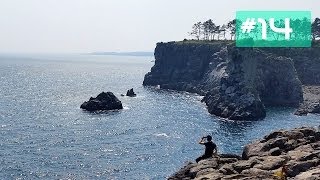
(209, 138)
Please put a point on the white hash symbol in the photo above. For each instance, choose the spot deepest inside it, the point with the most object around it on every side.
(248, 25)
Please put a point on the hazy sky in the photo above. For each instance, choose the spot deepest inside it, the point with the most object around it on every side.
(116, 25)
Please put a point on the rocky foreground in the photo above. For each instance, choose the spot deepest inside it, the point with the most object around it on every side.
(299, 149)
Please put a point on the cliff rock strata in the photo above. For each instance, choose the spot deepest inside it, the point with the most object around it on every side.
(237, 82)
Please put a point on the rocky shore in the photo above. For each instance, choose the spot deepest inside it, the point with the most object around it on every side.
(298, 149)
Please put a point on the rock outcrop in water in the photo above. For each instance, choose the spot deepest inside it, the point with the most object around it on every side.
(299, 149)
(104, 101)
(237, 82)
(131, 93)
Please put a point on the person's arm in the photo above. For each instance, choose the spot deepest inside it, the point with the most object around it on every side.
(202, 141)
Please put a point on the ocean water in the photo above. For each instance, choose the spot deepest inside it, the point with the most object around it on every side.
(45, 135)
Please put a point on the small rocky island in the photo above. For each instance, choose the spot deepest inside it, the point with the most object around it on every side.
(298, 149)
(104, 101)
(131, 93)
(238, 83)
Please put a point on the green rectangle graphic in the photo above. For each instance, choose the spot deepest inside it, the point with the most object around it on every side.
(273, 29)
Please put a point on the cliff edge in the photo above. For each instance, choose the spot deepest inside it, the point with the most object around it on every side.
(237, 82)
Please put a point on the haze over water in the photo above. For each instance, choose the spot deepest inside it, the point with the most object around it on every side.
(45, 135)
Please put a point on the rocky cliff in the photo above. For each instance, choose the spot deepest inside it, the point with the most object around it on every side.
(311, 103)
(306, 62)
(298, 149)
(237, 82)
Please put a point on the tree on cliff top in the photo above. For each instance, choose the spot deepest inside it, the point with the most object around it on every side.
(196, 30)
(232, 28)
(316, 29)
(208, 30)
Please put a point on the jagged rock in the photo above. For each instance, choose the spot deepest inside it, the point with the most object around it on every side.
(131, 93)
(237, 82)
(104, 101)
(260, 162)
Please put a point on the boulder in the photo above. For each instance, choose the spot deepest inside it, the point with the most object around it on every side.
(131, 93)
(104, 101)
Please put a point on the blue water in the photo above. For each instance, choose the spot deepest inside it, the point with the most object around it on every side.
(45, 135)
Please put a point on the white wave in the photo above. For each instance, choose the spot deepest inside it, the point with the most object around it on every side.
(161, 135)
(108, 150)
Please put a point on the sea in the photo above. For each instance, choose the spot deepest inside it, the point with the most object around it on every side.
(45, 135)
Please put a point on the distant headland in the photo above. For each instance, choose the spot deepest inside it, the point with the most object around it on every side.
(136, 53)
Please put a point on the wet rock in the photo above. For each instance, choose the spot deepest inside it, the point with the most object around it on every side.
(104, 101)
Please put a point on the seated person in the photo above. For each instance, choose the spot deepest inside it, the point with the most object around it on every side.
(211, 148)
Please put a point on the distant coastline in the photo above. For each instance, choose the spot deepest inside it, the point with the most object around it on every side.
(137, 53)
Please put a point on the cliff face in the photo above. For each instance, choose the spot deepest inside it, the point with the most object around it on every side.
(236, 82)
(306, 62)
(182, 67)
